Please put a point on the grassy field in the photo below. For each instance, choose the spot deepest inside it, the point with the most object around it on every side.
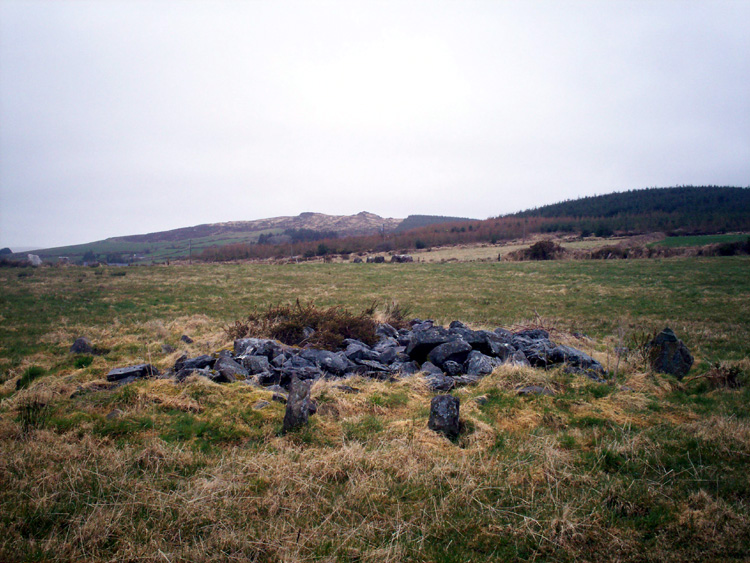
(700, 240)
(645, 469)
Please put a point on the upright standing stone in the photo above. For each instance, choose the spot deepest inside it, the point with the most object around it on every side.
(299, 406)
(668, 354)
(82, 345)
(444, 415)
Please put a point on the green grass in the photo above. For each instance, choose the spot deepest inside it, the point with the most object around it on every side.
(699, 240)
(647, 469)
(704, 300)
(159, 251)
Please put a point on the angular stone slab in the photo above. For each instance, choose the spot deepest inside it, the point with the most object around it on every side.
(456, 351)
(668, 354)
(137, 371)
(299, 406)
(423, 341)
(444, 416)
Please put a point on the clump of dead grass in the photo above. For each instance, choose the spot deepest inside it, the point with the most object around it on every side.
(306, 324)
(722, 375)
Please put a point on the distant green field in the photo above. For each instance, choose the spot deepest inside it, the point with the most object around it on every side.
(149, 252)
(701, 240)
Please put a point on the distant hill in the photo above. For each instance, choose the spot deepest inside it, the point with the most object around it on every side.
(417, 221)
(684, 210)
(187, 241)
(362, 223)
(677, 211)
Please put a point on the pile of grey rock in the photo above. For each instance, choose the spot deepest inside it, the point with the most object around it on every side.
(448, 357)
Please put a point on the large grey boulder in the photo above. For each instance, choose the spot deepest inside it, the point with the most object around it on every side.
(503, 335)
(334, 363)
(385, 343)
(393, 354)
(580, 361)
(424, 340)
(229, 370)
(257, 347)
(255, 364)
(518, 359)
(668, 354)
(444, 416)
(299, 405)
(190, 364)
(538, 352)
(479, 364)
(456, 351)
(474, 337)
(357, 351)
(384, 329)
(296, 362)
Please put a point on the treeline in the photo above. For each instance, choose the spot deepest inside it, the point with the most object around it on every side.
(417, 221)
(683, 210)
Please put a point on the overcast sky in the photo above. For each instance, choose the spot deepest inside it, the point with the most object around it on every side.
(129, 117)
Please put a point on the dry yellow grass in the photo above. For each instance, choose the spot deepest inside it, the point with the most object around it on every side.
(647, 469)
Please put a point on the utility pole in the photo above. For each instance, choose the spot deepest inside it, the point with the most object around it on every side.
(190, 251)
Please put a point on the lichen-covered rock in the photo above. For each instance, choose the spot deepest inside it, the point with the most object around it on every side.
(255, 364)
(444, 416)
(257, 347)
(229, 369)
(299, 405)
(479, 364)
(668, 354)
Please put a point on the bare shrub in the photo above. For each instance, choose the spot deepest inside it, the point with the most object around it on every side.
(299, 324)
(542, 250)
